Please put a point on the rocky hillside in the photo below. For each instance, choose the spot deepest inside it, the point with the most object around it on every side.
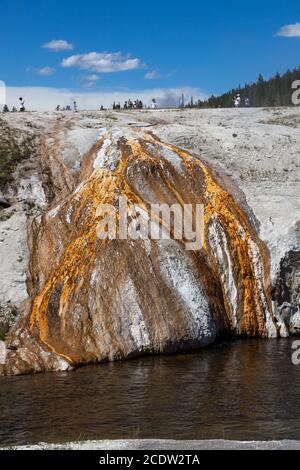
(68, 298)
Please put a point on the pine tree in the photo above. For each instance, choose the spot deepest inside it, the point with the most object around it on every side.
(277, 91)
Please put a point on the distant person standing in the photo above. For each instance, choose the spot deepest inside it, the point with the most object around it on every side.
(75, 106)
(153, 104)
(247, 102)
(22, 105)
(237, 101)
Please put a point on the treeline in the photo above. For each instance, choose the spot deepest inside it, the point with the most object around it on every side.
(7, 110)
(277, 91)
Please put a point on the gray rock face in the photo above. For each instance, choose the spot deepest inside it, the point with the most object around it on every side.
(286, 292)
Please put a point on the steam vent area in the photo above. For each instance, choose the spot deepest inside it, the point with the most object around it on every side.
(70, 297)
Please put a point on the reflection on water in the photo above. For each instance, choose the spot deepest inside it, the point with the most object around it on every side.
(243, 390)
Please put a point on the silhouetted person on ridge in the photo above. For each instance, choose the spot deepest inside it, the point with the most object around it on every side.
(22, 105)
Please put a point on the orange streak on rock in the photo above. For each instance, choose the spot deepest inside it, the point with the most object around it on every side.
(104, 187)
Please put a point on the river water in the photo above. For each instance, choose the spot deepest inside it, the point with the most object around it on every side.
(248, 389)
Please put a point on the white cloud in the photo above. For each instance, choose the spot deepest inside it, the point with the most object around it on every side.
(152, 75)
(289, 31)
(46, 99)
(91, 78)
(45, 71)
(58, 45)
(102, 62)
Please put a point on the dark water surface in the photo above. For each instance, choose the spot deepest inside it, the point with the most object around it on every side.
(248, 389)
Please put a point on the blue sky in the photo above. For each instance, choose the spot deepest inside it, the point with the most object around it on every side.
(204, 47)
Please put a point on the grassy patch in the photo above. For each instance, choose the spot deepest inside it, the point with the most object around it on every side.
(4, 216)
(2, 334)
(15, 146)
(8, 316)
